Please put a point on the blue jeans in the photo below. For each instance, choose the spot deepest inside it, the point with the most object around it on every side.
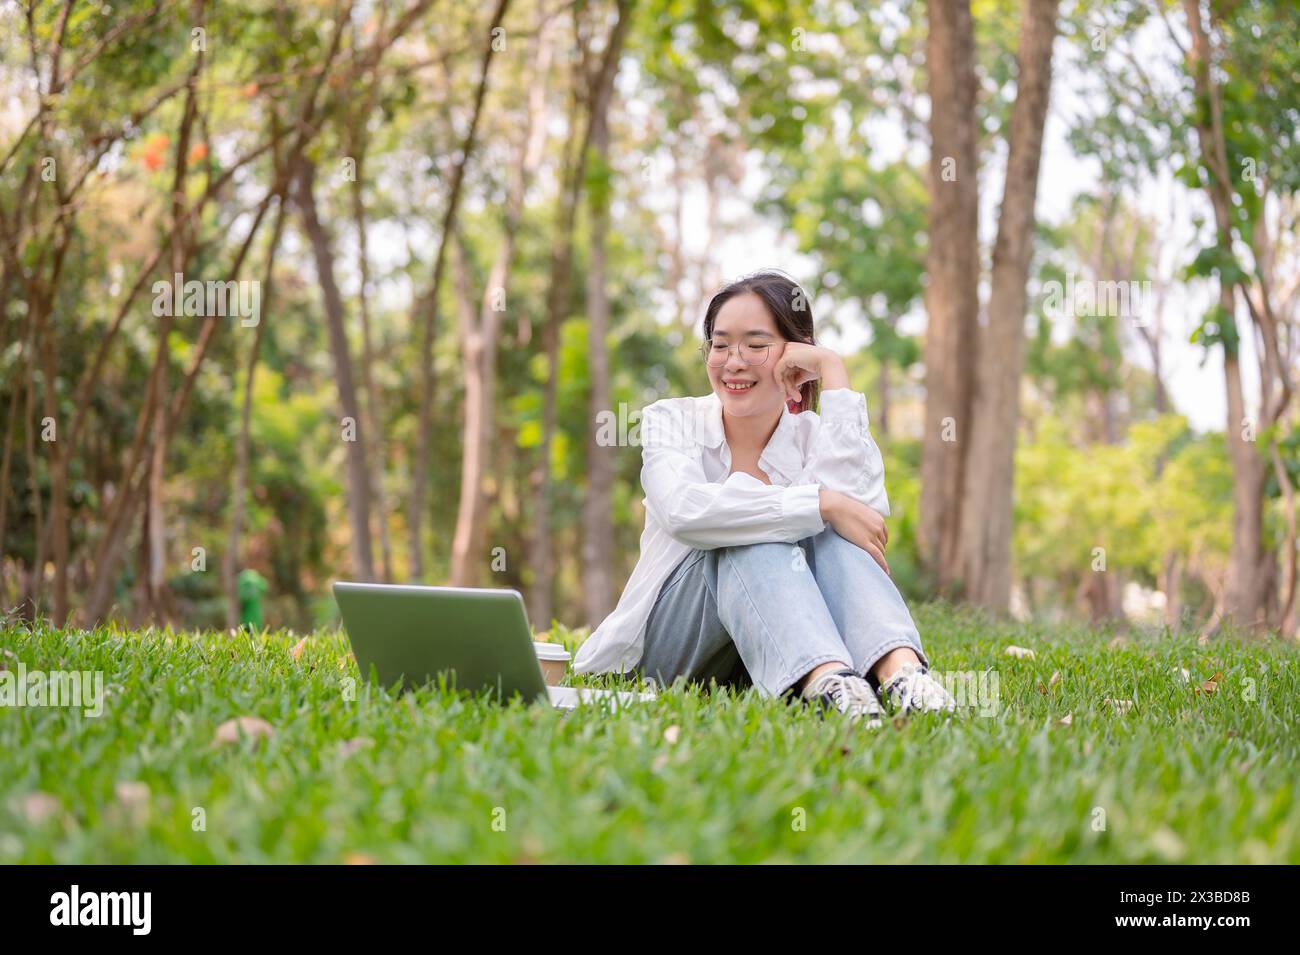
(764, 615)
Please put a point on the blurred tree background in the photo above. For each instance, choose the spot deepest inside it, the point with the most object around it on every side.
(451, 239)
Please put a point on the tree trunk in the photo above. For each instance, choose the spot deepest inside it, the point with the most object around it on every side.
(952, 293)
(597, 519)
(354, 434)
(238, 494)
(1103, 593)
(58, 454)
(429, 310)
(156, 528)
(373, 410)
(6, 457)
(1173, 588)
(990, 464)
(36, 578)
(480, 339)
(471, 524)
(598, 89)
(1244, 597)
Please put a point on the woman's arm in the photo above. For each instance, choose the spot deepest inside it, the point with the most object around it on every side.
(843, 456)
(848, 465)
(857, 524)
(701, 514)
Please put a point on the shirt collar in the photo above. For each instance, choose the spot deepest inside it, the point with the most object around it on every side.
(708, 423)
(781, 458)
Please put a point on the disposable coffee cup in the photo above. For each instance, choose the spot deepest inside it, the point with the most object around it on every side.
(554, 660)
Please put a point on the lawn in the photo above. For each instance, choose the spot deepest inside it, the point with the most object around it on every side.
(1172, 751)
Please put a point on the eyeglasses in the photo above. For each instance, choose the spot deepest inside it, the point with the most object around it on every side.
(751, 353)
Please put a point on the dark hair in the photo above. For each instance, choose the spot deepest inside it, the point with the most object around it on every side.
(786, 302)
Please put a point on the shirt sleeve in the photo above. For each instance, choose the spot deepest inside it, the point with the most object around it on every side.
(705, 515)
(844, 456)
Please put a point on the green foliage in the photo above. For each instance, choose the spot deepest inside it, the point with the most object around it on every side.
(1218, 261)
(1218, 327)
(1162, 490)
(817, 93)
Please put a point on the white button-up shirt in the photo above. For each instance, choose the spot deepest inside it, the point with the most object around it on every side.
(693, 501)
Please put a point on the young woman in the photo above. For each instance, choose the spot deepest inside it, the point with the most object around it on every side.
(763, 557)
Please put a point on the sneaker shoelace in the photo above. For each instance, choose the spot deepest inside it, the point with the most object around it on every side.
(913, 689)
(851, 695)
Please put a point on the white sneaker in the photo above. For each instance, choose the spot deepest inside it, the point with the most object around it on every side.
(912, 690)
(845, 692)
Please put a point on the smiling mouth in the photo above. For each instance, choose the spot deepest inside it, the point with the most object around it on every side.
(738, 386)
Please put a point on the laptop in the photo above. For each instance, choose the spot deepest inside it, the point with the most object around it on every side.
(480, 638)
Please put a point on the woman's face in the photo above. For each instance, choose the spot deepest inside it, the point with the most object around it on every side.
(746, 389)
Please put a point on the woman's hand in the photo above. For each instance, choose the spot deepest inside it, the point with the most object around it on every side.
(801, 363)
(857, 524)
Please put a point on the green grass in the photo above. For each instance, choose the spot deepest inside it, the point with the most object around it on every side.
(1181, 776)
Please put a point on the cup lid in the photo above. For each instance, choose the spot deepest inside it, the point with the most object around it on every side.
(550, 651)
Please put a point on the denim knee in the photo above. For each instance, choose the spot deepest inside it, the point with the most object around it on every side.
(771, 554)
(758, 549)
